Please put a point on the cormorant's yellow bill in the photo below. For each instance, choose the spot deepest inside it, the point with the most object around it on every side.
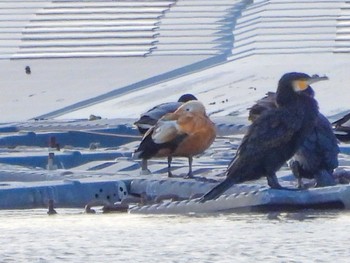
(303, 84)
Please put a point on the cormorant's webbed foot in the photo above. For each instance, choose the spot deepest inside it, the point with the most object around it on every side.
(288, 189)
(273, 182)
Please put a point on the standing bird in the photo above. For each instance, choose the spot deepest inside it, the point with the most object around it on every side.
(275, 136)
(185, 133)
(317, 157)
(150, 118)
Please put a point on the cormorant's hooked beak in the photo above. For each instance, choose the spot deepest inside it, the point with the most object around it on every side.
(316, 78)
(303, 84)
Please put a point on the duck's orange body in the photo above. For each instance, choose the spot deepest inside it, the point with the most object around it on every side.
(185, 133)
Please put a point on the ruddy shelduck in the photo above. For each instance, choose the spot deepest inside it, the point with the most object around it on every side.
(185, 133)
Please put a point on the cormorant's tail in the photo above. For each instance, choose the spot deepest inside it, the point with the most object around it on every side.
(217, 190)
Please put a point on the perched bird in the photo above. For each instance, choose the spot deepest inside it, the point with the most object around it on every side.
(342, 128)
(150, 118)
(275, 136)
(317, 157)
(185, 133)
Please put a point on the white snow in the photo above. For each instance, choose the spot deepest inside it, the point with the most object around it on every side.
(226, 89)
(234, 86)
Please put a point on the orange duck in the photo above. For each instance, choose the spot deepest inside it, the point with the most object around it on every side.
(185, 133)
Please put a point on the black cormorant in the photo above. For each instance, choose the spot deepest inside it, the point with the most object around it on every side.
(275, 136)
(317, 157)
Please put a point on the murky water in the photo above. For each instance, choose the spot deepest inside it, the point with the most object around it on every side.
(71, 236)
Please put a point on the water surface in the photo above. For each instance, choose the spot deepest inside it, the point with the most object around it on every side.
(71, 236)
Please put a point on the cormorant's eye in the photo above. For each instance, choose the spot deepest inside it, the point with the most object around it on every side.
(300, 85)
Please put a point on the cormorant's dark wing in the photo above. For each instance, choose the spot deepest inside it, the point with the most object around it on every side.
(320, 148)
(273, 129)
(266, 103)
(328, 142)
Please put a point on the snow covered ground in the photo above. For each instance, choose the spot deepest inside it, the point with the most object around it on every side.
(115, 87)
(232, 87)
